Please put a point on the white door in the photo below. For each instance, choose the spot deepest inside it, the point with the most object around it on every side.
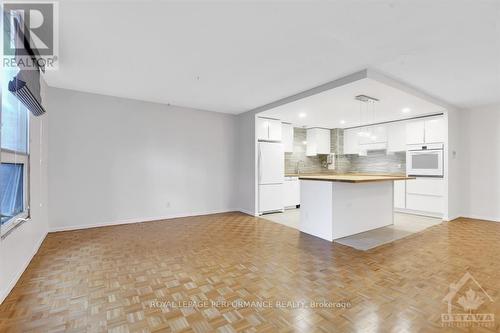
(271, 163)
(415, 132)
(270, 198)
(435, 130)
(274, 130)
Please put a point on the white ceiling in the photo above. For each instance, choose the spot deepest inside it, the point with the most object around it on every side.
(232, 57)
(337, 108)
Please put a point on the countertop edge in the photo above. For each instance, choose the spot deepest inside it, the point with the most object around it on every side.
(355, 180)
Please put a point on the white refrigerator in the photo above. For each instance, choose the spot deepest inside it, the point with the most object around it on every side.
(271, 177)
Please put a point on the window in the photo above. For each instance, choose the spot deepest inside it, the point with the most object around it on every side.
(14, 167)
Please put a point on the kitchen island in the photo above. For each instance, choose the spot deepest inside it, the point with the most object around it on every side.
(336, 206)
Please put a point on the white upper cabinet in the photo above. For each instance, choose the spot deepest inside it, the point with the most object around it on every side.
(373, 134)
(262, 128)
(287, 135)
(274, 130)
(324, 144)
(268, 129)
(396, 137)
(426, 131)
(351, 142)
(415, 132)
(311, 147)
(318, 141)
(435, 130)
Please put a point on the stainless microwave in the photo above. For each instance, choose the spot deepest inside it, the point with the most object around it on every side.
(425, 160)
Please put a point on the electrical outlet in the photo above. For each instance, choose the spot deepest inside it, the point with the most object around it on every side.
(167, 204)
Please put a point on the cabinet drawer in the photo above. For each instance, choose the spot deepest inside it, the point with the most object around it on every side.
(424, 203)
(425, 186)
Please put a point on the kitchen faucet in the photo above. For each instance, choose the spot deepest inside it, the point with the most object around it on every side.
(298, 166)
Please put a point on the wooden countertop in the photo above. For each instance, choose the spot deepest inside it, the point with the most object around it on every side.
(293, 174)
(354, 178)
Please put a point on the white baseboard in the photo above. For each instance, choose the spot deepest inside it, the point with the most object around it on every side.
(451, 218)
(140, 220)
(247, 212)
(4, 293)
(481, 217)
(417, 212)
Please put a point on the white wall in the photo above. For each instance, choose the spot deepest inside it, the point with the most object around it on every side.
(454, 152)
(115, 160)
(480, 162)
(246, 194)
(19, 246)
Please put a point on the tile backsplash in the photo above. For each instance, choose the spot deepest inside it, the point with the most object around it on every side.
(375, 162)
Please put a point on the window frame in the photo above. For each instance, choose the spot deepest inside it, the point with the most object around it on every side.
(15, 157)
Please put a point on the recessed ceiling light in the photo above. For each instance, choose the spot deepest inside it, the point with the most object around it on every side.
(302, 115)
(342, 122)
(406, 110)
(304, 142)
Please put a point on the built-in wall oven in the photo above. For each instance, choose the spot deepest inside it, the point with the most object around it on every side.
(425, 160)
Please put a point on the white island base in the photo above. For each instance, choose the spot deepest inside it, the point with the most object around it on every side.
(332, 210)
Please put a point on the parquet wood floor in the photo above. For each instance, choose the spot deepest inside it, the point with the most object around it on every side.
(113, 279)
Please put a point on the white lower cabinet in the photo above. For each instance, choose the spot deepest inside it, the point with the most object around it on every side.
(425, 186)
(291, 189)
(424, 203)
(400, 194)
(425, 195)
